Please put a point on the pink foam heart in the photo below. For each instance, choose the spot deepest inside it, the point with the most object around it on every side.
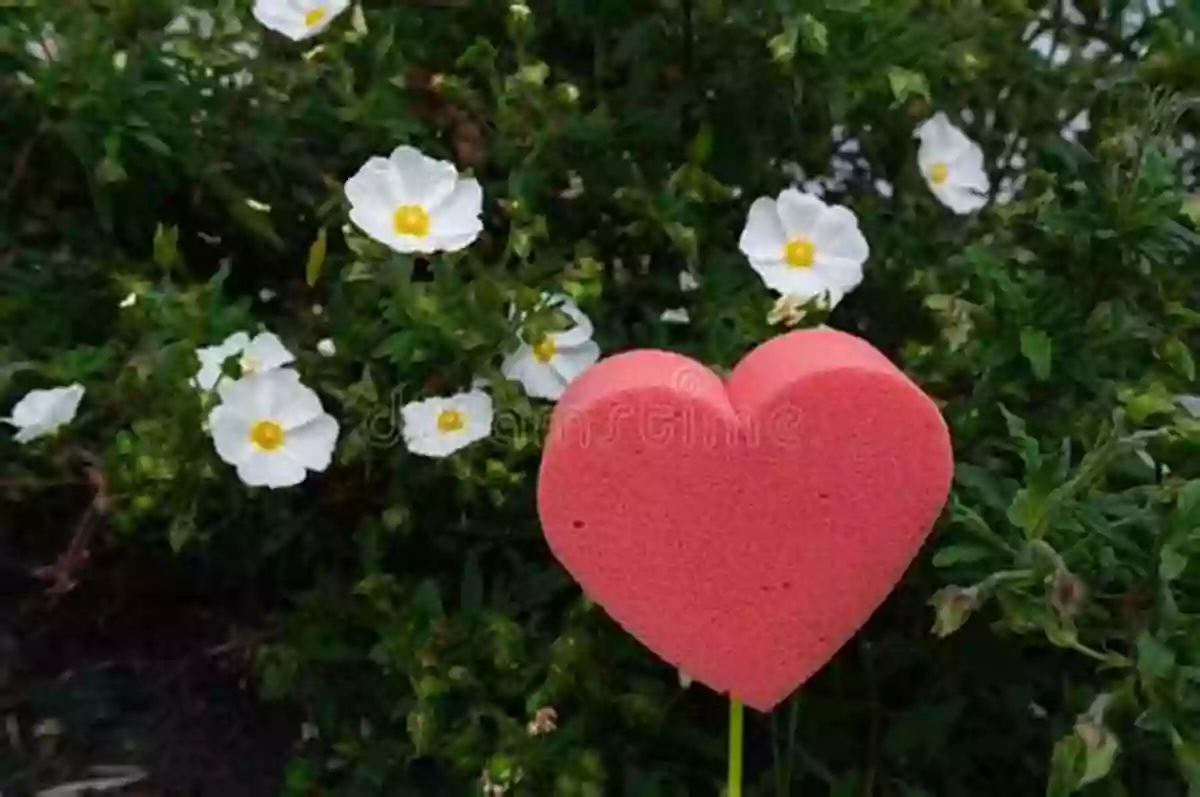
(744, 530)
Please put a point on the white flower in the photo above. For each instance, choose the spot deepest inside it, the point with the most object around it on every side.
(688, 282)
(437, 427)
(802, 247)
(676, 315)
(545, 367)
(272, 429)
(298, 19)
(212, 359)
(414, 203)
(326, 347)
(129, 301)
(265, 353)
(42, 412)
(952, 165)
(47, 46)
(1079, 123)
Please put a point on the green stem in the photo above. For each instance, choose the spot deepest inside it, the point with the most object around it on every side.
(734, 789)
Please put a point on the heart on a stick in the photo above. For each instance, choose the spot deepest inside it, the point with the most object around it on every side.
(744, 529)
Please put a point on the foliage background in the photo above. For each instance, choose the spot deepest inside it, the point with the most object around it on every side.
(408, 608)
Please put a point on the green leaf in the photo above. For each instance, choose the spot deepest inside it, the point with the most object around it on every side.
(1178, 356)
(1100, 747)
(783, 45)
(1068, 763)
(427, 600)
(906, 83)
(701, 147)
(180, 533)
(815, 34)
(1025, 511)
(963, 553)
(166, 247)
(1036, 347)
(1185, 521)
(1016, 426)
(1171, 563)
(1154, 659)
(952, 607)
(316, 259)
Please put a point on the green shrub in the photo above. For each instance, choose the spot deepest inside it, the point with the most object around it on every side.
(165, 190)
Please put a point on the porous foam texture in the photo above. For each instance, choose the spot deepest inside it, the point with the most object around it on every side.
(744, 530)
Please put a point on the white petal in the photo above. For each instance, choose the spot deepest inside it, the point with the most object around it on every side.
(270, 469)
(798, 212)
(688, 281)
(961, 200)
(370, 188)
(480, 414)
(230, 432)
(763, 236)
(266, 353)
(450, 243)
(420, 417)
(938, 133)
(675, 315)
(538, 378)
(967, 171)
(33, 432)
(235, 343)
(293, 404)
(458, 213)
(433, 445)
(326, 347)
(280, 18)
(47, 408)
(803, 283)
(581, 330)
(251, 396)
(836, 234)
(839, 275)
(312, 444)
(378, 226)
(33, 409)
(457, 217)
(570, 363)
(422, 180)
(207, 377)
(66, 403)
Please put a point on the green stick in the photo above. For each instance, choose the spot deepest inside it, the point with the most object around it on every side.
(734, 789)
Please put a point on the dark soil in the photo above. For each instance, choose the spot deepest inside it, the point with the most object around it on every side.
(106, 678)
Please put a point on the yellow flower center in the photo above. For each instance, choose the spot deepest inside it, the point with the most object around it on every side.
(544, 349)
(266, 436)
(314, 17)
(249, 366)
(800, 253)
(449, 421)
(939, 173)
(411, 220)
